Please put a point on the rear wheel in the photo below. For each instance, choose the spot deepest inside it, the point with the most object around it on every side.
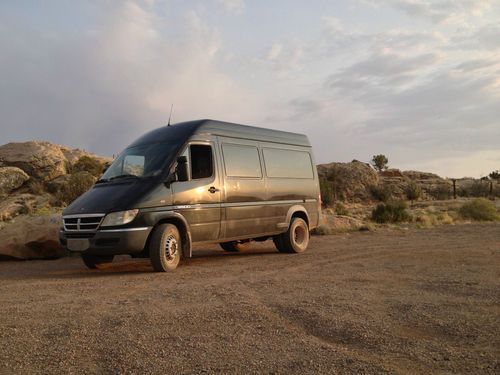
(234, 246)
(165, 248)
(295, 239)
(92, 261)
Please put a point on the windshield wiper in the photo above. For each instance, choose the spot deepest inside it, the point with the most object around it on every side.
(123, 176)
(101, 180)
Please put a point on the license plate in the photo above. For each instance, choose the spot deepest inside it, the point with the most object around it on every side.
(78, 244)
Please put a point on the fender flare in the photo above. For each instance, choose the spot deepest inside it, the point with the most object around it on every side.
(294, 209)
(176, 218)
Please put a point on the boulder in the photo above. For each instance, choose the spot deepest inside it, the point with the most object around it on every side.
(31, 237)
(73, 155)
(17, 205)
(11, 178)
(41, 160)
(350, 181)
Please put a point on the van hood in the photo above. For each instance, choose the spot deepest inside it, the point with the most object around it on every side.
(111, 197)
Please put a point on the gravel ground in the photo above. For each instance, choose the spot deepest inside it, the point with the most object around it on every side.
(416, 301)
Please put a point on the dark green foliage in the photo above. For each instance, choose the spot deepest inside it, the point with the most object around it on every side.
(382, 193)
(327, 194)
(78, 184)
(495, 175)
(390, 212)
(88, 164)
(413, 191)
(480, 209)
(380, 162)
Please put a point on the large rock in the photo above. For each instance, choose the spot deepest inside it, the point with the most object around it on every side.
(11, 178)
(17, 205)
(72, 155)
(350, 181)
(31, 237)
(41, 160)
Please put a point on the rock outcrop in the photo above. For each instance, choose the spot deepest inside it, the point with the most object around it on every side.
(40, 160)
(350, 181)
(31, 237)
(11, 178)
(16, 205)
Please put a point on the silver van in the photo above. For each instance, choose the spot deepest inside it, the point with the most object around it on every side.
(201, 181)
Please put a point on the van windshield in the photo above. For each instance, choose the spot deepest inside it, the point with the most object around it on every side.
(139, 161)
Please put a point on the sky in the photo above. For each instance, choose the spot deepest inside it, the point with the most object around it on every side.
(416, 80)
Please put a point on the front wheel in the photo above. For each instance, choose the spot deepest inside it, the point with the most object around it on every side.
(295, 239)
(165, 248)
(92, 261)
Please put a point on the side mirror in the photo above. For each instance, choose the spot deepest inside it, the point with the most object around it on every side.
(182, 169)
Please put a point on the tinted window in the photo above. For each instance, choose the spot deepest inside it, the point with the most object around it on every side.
(287, 163)
(143, 160)
(201, 161)
(241, 161)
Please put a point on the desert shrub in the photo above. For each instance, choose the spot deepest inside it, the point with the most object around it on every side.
(380, 162)
(413, 191)
(340, 209)
(327, 195)
(445, 218)
(382, 193)
(425, 220)
(479, 189)
(35, 187)
(480, 209)
(390, 212)
(78, 184)
(88, 164)
(441, 192)
(322, 230)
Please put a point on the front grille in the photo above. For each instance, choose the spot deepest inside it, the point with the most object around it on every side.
(82, 223)
(80, 235)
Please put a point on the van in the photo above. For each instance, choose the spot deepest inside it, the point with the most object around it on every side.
(201, 181)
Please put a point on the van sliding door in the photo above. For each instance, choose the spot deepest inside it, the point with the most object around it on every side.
(244, 189)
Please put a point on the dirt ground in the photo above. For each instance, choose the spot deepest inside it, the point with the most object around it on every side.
(416, 301)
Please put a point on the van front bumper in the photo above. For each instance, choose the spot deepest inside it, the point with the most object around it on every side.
(107, 241)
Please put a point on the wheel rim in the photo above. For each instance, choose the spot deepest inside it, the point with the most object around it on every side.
(171, 248)
(300, 236)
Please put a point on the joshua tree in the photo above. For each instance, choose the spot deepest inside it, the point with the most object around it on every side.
(380, 162)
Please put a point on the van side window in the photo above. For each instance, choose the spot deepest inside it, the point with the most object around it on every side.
(202, 165)
(287, 163)
(241, 161)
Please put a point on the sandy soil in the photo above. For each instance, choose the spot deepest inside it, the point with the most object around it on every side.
(418, 301)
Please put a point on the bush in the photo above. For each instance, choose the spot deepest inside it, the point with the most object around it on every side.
(381, 193)
(326, 189)
(88, 164)
(413, 191)
(480, 209)
(380, 162)
(340, 209)
(78, 184)
(441, 192)
(391, 212)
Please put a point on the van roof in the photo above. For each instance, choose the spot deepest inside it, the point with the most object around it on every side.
(181, 132)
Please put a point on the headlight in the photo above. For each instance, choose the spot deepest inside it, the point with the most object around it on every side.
(119, 218)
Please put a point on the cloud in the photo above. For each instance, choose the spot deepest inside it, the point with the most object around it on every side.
(104, 87)
(232, 6)
(451, 11)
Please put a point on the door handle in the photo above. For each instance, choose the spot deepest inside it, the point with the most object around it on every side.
(213, 189)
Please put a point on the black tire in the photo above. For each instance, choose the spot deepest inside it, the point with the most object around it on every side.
(235, 246)
(295, 239)
(165, 248)
(279, 243)
(92, 261)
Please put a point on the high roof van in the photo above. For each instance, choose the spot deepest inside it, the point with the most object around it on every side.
(201, 181)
